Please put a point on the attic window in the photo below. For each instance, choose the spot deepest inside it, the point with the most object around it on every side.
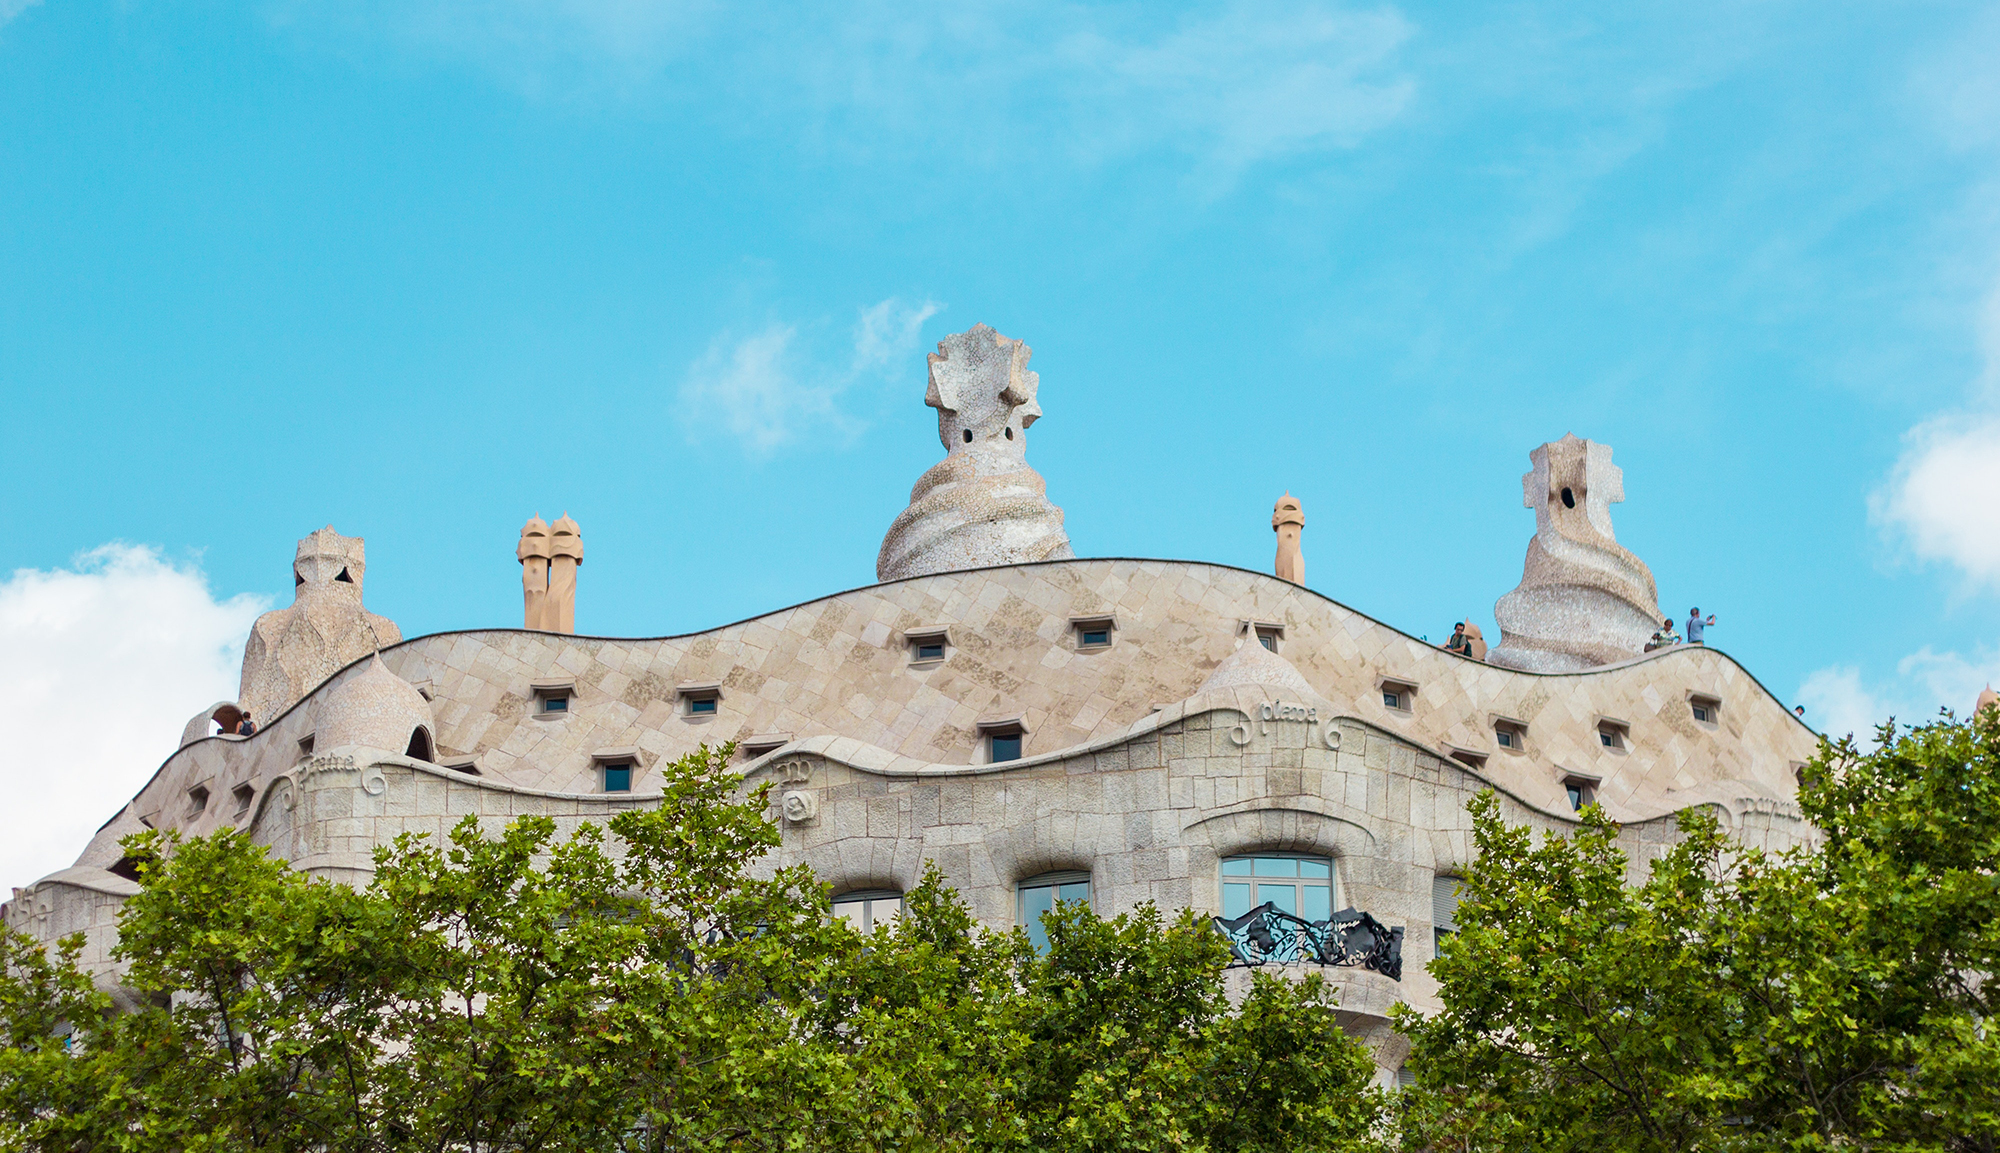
(1270, 634)
(344, 577)
(757, 744)
(1401, 696)
(1510, 734)
(306, 745)
(1470, 758)
(552, 697)
(469, 765)
(1614, 734)
(1705, 709)
(617, 768)
(197, 800)
(127, 867)
(420, 744)
(1581, 788)
(1093, 632)
(928, 645)
(244, 794)
(700, 701)
(1005, 739)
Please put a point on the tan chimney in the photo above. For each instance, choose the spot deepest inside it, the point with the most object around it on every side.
(1288, 520)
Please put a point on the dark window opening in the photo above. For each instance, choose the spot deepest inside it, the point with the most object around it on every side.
(197, 800)
(968, 436)
(1607, 738)
(1005, 747)
(1268, 641)
(1505, 737)
(244, 794)
(1569, 499)
(702, 706)
(1096, 637)
(128, 866)
(1010, 432)
(420, 744)
(1581, 791)
(618, 777)
(1701, 713)
(344, 577)
(1392, 700)
(306, 745)
(297, 579)
(555, 704)
(931, 651)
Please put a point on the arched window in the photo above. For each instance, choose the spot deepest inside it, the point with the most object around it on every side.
(1304, 886)
(1039, 895)
(420, 744)
(866, 908)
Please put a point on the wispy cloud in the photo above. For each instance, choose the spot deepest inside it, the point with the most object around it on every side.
(767, 388)
(1227, 84)
(1840, 700)
(106, 661)
(12, 8)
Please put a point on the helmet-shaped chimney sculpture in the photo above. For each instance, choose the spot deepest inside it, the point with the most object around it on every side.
(1288, 520)
(1583, 600)
(981, 505)
(292, 650)
(533, 553)
(549, 555)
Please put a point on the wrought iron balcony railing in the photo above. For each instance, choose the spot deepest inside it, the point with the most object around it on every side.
(1266, 935)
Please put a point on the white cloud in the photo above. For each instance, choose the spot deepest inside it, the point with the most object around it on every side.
(105, 662)
(1941, 495)
(765, 392)
(1228, 83)
(1838, 701)
(12, 8)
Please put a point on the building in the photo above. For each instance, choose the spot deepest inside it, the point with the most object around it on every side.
(1117, 730)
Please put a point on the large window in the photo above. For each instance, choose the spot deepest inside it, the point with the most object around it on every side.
(1300, 885)
(1040, 894)
(866, 908)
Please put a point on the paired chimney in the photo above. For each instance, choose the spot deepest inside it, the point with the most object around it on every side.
(549, 555)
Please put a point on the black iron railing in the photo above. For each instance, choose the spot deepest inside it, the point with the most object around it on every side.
(1266, 935)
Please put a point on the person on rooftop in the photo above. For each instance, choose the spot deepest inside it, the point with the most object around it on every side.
(1459, 642)
(1696, 624)
(1665, 638)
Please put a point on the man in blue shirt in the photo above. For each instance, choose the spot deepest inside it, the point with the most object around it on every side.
(1696, 624)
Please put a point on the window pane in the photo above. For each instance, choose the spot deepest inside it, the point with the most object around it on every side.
(855, 913)
(1235, 900)
(1277, 867)
(1236, 867)
(1078, 891)
(1035, 902)
(885, 911)
(930, 652)
(702, 705)
(1007, 748)
(1317, 904)
(1312, 868)
(1096, 638)
(1286, 897)
(617, 778)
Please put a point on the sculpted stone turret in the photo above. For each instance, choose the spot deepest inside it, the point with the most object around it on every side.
(549, 555)
(981, 505)
(1288, 520)
(1583, 600)
(292, 650)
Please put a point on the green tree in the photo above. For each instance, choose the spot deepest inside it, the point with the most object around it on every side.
(640, 989)
(1829, 996)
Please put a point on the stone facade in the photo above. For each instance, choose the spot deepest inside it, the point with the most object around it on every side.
(1161, 715)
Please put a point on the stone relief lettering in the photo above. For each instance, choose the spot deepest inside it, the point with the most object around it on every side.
(792, 772)
(1768, 807)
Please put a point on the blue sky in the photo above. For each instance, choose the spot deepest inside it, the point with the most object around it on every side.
(421, 269)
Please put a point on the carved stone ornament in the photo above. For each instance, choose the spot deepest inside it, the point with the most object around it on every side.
(291, 651)
(799, 807)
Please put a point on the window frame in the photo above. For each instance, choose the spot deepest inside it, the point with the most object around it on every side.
(1298, 881)
(1580, 789)
(867, 899)
(1083, 627)
(1003, 728)
(692, 696)
(553, 698)
(1055, 880)
(928, 636)
(1620, 733)
(1699, 702)
(1405, 692)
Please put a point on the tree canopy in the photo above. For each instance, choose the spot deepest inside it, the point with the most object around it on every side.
(636, 988)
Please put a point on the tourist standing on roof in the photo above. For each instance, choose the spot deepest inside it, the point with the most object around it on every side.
(1696, 624)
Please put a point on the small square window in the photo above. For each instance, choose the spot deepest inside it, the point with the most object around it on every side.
(1004, 747)
(698, 706)
(1392, 700)
(1614, 734)
(1705, 709)
(1608, 738)
(244, 794)
(1268, 640)
(618, 777)
(700, 702)
(306, 745)
(1095, 637)
(928, 645)
(197, 800)
(1270, 634)
(1398, 695)
(1093, 632)
(930, 651)
(1701, 713)
(1505, 737)
(552, 697)
(1581, 790)
(555, 704)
